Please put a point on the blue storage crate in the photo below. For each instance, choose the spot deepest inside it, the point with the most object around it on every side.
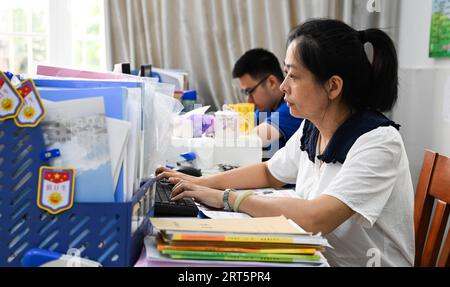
(110, 233)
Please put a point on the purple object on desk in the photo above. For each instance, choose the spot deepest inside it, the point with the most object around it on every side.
(197, 123)
(208, 125)
(202, 125)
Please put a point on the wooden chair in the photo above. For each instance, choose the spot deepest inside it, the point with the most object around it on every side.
(433, 185)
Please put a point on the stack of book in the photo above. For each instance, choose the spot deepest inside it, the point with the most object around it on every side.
(269, 240)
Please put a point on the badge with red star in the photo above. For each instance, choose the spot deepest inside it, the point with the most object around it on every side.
(10, 99)
(32, 111)
(56, 189)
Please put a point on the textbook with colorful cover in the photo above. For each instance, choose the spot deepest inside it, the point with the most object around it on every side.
(186, 245)
(257, 225)
(239, 256)
(151, 257)
(257, 230)
(252, 248)
(243, 237)
(270, 239)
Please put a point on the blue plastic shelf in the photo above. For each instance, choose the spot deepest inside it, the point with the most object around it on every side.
(101, 231)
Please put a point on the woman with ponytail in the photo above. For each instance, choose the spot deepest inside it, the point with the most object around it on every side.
(347, 159)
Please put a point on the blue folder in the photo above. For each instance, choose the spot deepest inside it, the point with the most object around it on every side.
(87, 84)
(115, 99)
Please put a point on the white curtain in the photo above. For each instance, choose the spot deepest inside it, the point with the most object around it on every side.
(206, 37)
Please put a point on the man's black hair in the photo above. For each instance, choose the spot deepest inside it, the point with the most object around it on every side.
(258, 63)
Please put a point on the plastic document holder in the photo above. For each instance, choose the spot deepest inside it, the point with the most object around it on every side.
(109, 233)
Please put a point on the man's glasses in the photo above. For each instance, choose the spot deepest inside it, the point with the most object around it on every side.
(249, 92)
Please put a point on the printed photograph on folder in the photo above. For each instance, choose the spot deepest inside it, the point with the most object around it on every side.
(78, 128)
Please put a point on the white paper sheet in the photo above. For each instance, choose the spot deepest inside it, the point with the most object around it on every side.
(118, 132)
(269, 192)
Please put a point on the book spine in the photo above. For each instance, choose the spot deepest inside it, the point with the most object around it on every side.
(309, 251)
(231, 258)
(260, 239)
(248, 256)
(240, 238)
(228, 238)
(195, 237)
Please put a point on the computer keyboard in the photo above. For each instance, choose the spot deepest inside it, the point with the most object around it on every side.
(165, 207)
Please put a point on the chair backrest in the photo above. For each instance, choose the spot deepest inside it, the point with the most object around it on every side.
(433, 189)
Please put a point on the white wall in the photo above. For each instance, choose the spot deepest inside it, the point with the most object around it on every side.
(423, 109)
(415, 23)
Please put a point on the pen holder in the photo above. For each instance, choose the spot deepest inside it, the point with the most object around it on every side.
(109, 233)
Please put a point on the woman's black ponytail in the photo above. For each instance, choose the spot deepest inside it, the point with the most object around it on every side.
(330, 47)
(385, 70)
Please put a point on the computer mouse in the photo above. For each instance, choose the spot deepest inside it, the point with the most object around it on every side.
(189, 170)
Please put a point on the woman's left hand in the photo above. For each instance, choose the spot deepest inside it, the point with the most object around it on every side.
(208, 196)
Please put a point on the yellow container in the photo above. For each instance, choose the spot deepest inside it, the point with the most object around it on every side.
(250, 118)
(246, 117)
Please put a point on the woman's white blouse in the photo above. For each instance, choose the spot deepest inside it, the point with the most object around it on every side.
(374, 181)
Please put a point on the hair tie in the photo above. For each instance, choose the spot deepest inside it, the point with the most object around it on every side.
(362, 36)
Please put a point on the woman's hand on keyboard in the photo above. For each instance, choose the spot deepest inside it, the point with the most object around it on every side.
(164, 172)
(185, 188)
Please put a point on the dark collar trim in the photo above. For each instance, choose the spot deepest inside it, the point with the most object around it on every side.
(345, 136)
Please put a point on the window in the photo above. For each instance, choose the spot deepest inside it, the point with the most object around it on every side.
(57, 32)
(88, 39)
(23, 34)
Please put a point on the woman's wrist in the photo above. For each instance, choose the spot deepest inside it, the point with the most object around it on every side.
(231, 199)
(207, 181)
(201, 181)
(240, 198)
